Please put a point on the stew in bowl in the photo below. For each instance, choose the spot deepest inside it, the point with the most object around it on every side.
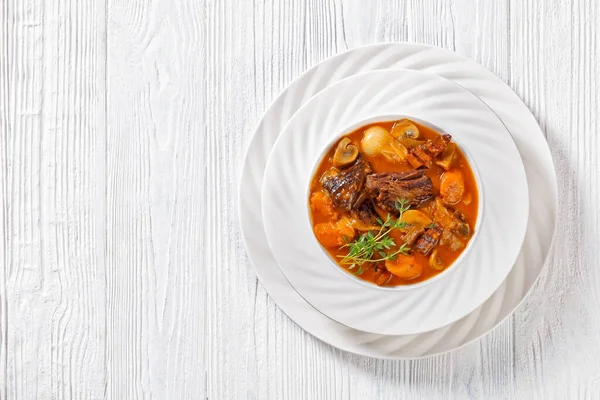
(394, 203)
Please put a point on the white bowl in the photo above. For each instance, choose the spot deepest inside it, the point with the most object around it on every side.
(413, 309)
(473, 165)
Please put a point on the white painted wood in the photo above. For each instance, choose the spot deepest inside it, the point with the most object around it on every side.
(52, 218)
(123, 125)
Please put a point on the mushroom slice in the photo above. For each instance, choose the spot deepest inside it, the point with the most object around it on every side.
(447, 157)
(405, 129)
(410, 143)
(416, 217)
(363, 226)
(345, 153)
(435, 262)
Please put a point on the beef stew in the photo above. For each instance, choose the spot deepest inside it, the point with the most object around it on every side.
(394, 203)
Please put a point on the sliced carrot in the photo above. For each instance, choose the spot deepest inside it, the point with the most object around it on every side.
(452, 186)
(320, 202)
(345, 228)
(332, 234)
(405, 267)
(328, 235)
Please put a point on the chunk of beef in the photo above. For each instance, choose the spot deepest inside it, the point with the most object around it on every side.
(424, 154)
(413, 234)
(464, 229)
(429, 240)
(365, 211)
(451, 241)
(388, 187)
(344, 186)
(452, 220)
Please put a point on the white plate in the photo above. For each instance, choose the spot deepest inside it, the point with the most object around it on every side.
(369, 97)
(536, 157)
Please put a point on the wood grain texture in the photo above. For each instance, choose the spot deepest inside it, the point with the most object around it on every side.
(555, 71)
(123, 125)
(158, 162)
(52, 161)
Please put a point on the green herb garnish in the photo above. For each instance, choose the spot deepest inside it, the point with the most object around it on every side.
(402, 205)
(371, 247)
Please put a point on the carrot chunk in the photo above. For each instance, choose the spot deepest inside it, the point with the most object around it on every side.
(332, 234)
(320, 202)
(405, 267)
(452, 187)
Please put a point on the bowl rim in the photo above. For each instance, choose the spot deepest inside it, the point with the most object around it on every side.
(480, 200)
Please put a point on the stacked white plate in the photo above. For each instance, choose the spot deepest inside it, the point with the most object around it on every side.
(497, 113)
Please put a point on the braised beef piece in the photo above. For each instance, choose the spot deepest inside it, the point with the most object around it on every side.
(413, 234)
(455, 221)
(345, 185)
(387, 188)
(451, 241)
(424, 154)
(365, 211)
(362, 197)
(463, 226)
(429, 239)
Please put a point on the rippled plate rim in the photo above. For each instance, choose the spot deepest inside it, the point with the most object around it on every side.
(411, 309)
(514, 114)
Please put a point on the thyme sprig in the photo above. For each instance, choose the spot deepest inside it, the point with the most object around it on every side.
(375, 247)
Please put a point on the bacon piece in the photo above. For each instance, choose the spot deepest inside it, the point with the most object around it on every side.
(424, 154)
(429, 240)
(412, 234)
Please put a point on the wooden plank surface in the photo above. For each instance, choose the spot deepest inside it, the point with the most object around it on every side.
(123, 125)
(52, 135)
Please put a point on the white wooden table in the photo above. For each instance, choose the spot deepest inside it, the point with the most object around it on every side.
(122, 129)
